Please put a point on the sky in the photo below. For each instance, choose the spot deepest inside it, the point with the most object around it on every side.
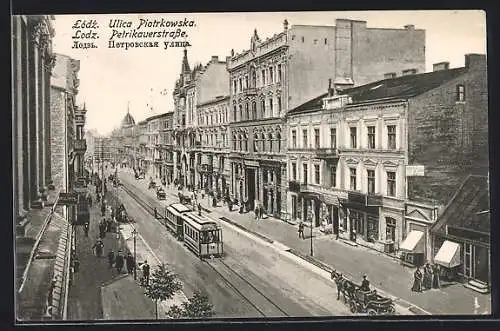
(142, 80)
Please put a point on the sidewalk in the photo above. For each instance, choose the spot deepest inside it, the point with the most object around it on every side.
(383, 271)
(84, 302)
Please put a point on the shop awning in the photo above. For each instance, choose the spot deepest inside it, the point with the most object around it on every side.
(448, 255)
(414, 242)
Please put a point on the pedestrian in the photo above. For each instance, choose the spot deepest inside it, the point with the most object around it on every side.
(130, 263)
(119, 262)
(108, 225)
(111, 258)
(261, 211)
(427, 280)
(256, 211)
(145, 273)
(98, 247)
(436, 283)
(417, 281)
(301, 230)
(365, 284)
(86, 228)
(199, 208)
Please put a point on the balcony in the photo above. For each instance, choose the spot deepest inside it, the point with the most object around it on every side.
(80, 145)
(250, 91)
(326, 153)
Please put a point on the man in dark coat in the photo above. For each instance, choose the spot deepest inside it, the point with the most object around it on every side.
(130, 262)
(301, 230)
(145, 273)
(365, 284)
(119, 262)
(111, 258)
(86, 227)
(427, 281)
(417, 281)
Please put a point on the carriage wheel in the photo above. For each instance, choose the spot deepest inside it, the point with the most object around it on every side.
(372, 311)
(352, 307)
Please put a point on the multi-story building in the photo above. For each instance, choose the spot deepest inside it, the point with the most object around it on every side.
(142, 130)
(68, 143)
(197, 86)
(213, 133)
(152, 158)
(128, 132)
(166, 147)
(374, 151)
(90, 137)
(32, 63)
(286, 70)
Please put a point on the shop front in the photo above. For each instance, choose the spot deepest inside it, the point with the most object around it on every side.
(360, 218)
(413, 247)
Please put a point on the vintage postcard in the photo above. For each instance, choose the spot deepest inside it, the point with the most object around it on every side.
(203, 166)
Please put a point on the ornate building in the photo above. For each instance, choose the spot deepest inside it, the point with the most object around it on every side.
(195, 87)
(284, 71)
(166, 147)
(32, 65)
(127, 157)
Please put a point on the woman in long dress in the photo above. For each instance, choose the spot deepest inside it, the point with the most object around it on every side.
(436, 283)
(417, 281)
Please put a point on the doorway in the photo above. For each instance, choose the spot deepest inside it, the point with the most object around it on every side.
(250, 177)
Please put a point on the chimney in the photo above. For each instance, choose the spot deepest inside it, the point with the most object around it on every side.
(409, 27)
(330, 90)
(475, 60)
(215, 58)
(285, 25)
(441, 66)
(409, 72)
(390, 75)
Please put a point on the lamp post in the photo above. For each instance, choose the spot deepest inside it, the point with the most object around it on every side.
(310, 217)
(134, 233)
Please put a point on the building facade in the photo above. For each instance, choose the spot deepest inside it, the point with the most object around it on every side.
(353, 154)
(212, 154)
(200, 85)
(166, 147)
(32, 65)
(284, 71)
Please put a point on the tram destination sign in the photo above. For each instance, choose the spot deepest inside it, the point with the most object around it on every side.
(68, 198)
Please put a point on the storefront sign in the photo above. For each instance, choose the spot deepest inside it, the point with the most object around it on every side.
(68, 199)
(415, 171)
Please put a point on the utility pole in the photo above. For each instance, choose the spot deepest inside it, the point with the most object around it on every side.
(135, 253)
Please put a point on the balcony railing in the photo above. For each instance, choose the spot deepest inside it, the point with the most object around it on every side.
(80, 145)
(205, 168)
(326, 153)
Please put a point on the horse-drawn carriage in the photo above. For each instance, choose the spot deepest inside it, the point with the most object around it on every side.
(121, 215)
(184, 199)
(160, 194)
(362, 301)
(152, 185)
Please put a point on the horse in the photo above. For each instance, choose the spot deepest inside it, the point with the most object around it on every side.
(344, 286)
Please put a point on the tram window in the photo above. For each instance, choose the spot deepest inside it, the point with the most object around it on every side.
(210, 237)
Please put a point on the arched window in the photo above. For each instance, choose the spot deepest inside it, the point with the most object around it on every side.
(270, 139)
(241, 142)
(234, 141)
(262, 142)
(254, 110)
(255, 142)
(241, 113)
(247, 115)
(245, 142)
(262, 108)
(278, 142)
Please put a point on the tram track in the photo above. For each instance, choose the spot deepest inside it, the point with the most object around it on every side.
(245, 289)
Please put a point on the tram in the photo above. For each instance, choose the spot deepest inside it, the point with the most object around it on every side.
(202, 235)
(173, 220)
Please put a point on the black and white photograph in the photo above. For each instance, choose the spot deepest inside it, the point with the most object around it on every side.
(253, 165)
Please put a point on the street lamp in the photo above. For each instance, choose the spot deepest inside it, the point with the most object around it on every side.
(134, 233)
(310, 216)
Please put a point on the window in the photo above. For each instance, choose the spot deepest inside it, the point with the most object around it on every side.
(316, 138)
(241, 112)
(333, 138)
(390, 230)
(241, 84)
(234, 142)
(460, 93)
(371, 181)
(353, 137)
(254, 78)
(294, 171)
(235, 114)
(262, 142)
(371, 137)
(262, 108)
(279, 72)
(279, 104)
(316, 173)
(271, 107)
(247, 114)
(326, 41)
(241, 142)
(353, 179)
(391, 136)
(263, 72)
(304, 138)
(333, 176)
(294, 139)
(391, 183)
(255, 143)
(304, 171)
(270, 138)
(278, 142)
(246, 82)
(254, 110)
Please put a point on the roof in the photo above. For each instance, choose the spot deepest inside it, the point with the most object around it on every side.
(128, 120)
(469, 207)
(391, 88)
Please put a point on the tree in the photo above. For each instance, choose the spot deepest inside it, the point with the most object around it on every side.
(162, 286)
(198, 306)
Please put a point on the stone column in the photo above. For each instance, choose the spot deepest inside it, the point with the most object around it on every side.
(48, 61)
(275, 193)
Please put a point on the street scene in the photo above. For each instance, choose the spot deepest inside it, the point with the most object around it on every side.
(297, 165)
